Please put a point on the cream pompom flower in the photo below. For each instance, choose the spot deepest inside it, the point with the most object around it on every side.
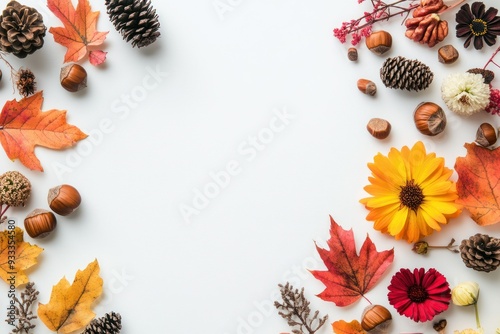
(465, 93)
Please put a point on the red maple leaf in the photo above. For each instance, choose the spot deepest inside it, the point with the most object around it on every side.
(349, 276)
(478, 184)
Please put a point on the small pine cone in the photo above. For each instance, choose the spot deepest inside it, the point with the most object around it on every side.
(26, 83)
(110, 323)
(402, 73)
(481, 252)
(21, 30)
(136, 20)
(488, 75)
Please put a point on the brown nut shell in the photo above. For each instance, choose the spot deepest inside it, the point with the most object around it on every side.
(73, 77)
(447, 54)
(39, 223)
(379, 42)
(64, 199)
(379, 128)
(429, 118)
(486, 135)
(352, 54)
(367, 87)
(375, 316)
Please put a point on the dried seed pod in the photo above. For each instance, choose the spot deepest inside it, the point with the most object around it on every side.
(64, 199)
(367, 86)
(447, 54)
(39, 223)
(429, 118)
(73, 77)
(376, 318)
(379, 42)
(486, 135)
(352, 54)
(379, 128)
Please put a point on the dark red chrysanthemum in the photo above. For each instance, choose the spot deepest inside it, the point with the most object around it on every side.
(420, 295)
(477, 23)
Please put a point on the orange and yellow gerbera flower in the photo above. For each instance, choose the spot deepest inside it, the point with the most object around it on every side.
(411, 194)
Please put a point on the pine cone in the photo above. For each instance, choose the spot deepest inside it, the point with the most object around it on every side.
(136, 20)
(21, 30)
(110, 323)
(481, 252)
(402, 73)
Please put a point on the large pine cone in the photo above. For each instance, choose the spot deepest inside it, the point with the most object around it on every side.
(402, 73)
(110, 323)
(136, 20)
(21, 30)
(481, 252)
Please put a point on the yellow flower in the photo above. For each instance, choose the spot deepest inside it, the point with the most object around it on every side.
(465, 294)
(411, 193)
(470, 331)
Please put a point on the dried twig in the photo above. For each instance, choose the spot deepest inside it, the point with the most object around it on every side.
(297, 312)
(23, 314)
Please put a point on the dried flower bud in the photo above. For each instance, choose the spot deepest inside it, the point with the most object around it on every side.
(440, 325)
(420, 247)
(465, 294)
(15, 189)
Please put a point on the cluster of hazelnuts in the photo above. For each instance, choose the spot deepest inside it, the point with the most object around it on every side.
(63, 200)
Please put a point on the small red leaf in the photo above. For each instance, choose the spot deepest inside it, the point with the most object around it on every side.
(97, 57)
(350, 276)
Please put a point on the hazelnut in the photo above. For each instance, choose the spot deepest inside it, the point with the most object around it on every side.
(429, 118)
(366, 86)
(64, 199)
(39, 223)
(73, 77)
(486, 135)
(379, 42)
(379, 128)
(376, 316)
(352, 54)
(447, 54)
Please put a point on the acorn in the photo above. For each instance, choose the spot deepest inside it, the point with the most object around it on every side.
(429, 118)
(379, 42)
(367, 87)
(64, 199)
(376, 319)
(486, 135)
(379, 128)
(352, 54)
(73, 77)
(39, 223)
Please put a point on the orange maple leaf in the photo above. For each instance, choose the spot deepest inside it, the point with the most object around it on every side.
(23, 126)
(343, 327)
(16, 256)
(350, 276)
(478, 184)
(79, 31)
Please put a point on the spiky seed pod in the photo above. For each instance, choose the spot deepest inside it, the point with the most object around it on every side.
(481, 252)
(21, 30)
(110, 323)
(488, 75)
(15, 188)
(136, 20)
(26, 83)
(401, 73)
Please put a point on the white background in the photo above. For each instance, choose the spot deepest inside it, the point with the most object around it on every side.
(221, 78)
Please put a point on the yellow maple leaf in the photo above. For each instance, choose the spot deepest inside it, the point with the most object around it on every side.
(16, 256)
(70, 306)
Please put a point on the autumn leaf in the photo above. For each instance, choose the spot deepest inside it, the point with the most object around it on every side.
(343, 327)
(16, 256)
(478, 184)
(349, 276)
(23, 126)
(69, 307)
(79, 32)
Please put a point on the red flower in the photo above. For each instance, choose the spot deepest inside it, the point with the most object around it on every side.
(419, 295)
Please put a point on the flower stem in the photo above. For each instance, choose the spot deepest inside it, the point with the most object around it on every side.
(478, 323)
(2, 211)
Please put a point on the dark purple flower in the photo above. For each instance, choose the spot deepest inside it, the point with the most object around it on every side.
(476, 23)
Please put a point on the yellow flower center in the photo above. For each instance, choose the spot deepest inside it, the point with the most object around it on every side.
(411, 195)
(479, 27)
(417, 294)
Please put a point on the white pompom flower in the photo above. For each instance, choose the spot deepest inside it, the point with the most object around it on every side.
(465, 93)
